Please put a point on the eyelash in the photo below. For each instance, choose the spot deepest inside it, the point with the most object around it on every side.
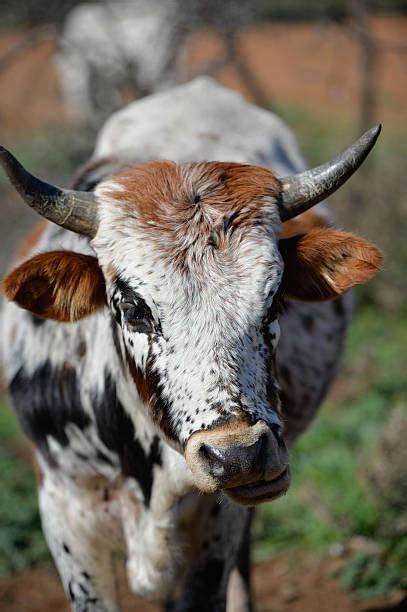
(138, 318)
(277, 306)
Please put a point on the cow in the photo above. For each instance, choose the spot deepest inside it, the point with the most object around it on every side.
(171, 328)
(110, 51)
(107, 49)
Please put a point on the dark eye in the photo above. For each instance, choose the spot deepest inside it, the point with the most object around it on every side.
(137, 319)
(277, 305)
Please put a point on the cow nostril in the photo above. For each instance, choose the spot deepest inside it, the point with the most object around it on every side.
(231, 463)
(277, 430)
(278, 433)
(226, 460)
(215, 457)
(260, 449)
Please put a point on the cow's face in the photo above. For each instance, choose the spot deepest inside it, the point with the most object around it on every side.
(192, 266)
(193, 275)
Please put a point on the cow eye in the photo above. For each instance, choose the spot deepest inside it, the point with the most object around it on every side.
(276, 305)
(136, 318)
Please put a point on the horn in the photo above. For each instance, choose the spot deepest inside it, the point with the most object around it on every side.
(302, 191)
(74, 210)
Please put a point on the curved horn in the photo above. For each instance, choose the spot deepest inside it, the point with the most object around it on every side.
(74, 210)
(302, 191)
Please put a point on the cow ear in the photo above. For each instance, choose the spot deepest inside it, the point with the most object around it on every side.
(60, 285)
(324, 263)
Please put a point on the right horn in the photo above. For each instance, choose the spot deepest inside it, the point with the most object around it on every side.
(74, 210)
(302, 191)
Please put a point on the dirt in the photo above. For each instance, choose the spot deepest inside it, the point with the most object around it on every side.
(30, 97)
(283, 585)
(315, 65)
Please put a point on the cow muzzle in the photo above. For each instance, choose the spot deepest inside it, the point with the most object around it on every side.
(248, 463)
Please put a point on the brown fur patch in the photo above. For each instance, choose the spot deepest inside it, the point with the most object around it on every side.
(325, 263)
(237, 431)
(196, 203)
(149, 389)
(302, 224)
(60, 285)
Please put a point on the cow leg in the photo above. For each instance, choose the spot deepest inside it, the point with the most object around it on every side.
(78, 524)
(205, 586)
(239, 588)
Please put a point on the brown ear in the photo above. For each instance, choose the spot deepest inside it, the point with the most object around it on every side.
(325, 263)
(304, 223)
(60, 285)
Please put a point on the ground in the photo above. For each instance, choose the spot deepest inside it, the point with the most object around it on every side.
(280, 56)
(279, 586)
(373, 383)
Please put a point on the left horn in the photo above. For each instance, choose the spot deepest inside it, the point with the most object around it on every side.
(74, 210)
(302, 191)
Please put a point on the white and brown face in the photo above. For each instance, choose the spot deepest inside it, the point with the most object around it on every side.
(193, 267)
(193, 273)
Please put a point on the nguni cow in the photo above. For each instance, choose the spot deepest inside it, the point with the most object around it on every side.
(141, 340)
(112, 50)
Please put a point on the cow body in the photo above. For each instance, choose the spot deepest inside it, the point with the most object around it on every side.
(108, 47)
(109, 479)
(112, 50)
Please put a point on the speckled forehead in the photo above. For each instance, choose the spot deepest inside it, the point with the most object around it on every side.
(179, 205)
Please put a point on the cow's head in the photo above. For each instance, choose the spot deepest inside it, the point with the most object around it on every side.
(191, 262)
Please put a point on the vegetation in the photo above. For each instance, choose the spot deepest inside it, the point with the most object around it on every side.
(373, 203)
(21, 540)
(293, 10)
(33, 12)
(330, 502)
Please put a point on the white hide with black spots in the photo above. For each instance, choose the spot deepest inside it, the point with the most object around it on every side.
(91, 500)
(209, 351)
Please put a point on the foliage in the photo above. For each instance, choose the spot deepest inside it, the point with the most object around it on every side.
(373, 203)
(34, 12)
(329, 502)
(293, 10)
(21, 540)
(370, 574)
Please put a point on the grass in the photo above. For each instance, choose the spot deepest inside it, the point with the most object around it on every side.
(21, 542)
(52, 154)
(328, 503)
(321, 137)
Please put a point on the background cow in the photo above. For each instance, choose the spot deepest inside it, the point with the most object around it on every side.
(145, 367)
(113, 52)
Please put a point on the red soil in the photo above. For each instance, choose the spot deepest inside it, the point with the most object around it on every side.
(278, 586)
(300, 63)
(311, 64)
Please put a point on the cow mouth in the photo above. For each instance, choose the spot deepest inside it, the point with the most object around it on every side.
(260, 491)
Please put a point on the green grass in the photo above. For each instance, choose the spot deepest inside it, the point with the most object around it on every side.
(21, 542)
(322, 137)
(53, 153)
(370, 574)
(328, 502)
